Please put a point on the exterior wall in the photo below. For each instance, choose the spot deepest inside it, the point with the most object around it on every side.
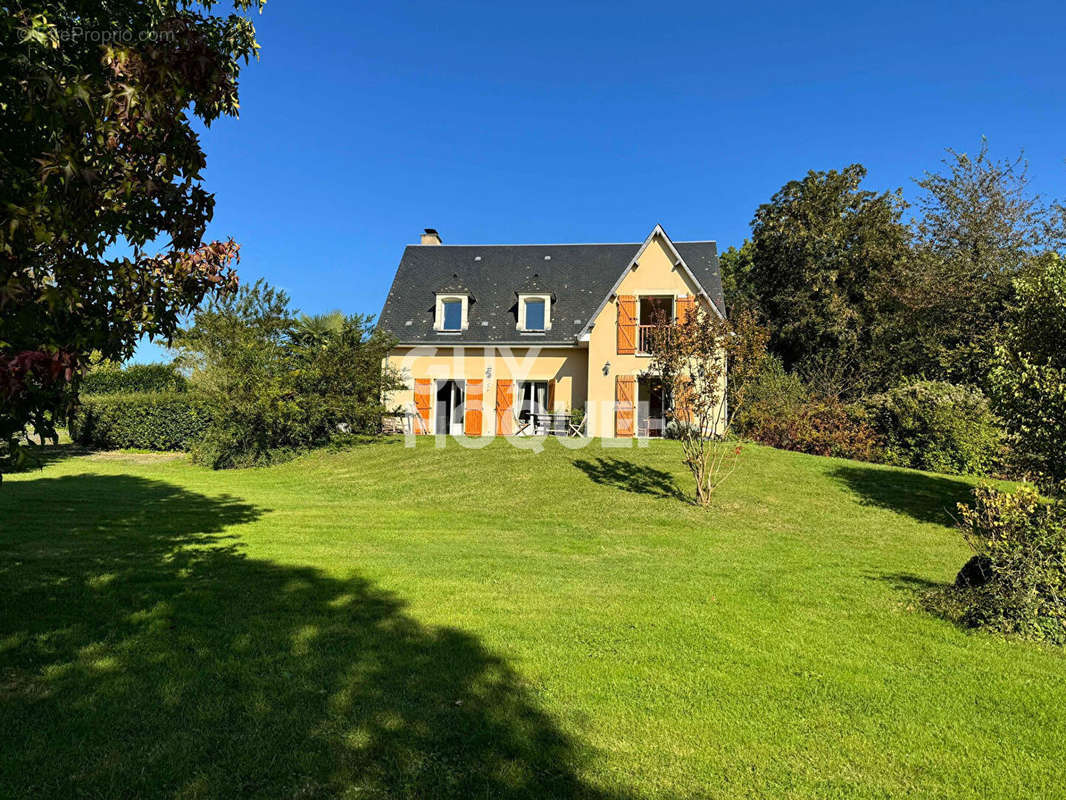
(568, 367)
(655, 274)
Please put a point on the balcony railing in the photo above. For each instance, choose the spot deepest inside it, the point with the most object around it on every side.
(645, 338)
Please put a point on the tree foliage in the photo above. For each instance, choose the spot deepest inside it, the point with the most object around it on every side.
(1028, 375)
(272, 391)
(821, 254)
(936, 426)
(690, 357)
(980, 226)
(99, 158)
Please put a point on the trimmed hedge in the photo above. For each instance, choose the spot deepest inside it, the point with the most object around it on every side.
(937, 426)
(109, 379)
(141, 420)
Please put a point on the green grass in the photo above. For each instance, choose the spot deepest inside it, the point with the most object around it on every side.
(452, 623)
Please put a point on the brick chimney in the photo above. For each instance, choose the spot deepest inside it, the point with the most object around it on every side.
(430, 237)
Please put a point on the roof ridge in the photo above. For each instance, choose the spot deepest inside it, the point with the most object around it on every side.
(561, 244)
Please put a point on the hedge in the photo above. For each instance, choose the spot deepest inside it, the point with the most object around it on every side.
(110, 379)
(139, 420)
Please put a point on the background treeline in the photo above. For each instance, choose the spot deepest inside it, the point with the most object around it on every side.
(255, 382)
(926, 335)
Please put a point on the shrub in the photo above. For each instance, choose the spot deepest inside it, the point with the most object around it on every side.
(144, 421)
(828, 427)
(1028, 375)
(1016, 582)
(773, 394)
(112, 379)
(937, 426)
(781, 412)
(277, 387)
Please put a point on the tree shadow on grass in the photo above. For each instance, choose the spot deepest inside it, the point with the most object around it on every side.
(926, 498)
(621, 474)
(907, 582)
(143, 654)
(39, 456)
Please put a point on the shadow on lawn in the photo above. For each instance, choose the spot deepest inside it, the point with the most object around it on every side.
(142, 654)
(907, 582)
(620, 474)
(39, 456)
(927, 498)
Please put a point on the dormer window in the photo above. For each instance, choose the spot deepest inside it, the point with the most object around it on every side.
(451, 313)
(534, 312)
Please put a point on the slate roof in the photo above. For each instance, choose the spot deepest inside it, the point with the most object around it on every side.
(580, 276)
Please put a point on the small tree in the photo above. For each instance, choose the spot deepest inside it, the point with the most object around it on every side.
(691, 357)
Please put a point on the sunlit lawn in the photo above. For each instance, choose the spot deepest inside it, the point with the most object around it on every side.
(497, 623)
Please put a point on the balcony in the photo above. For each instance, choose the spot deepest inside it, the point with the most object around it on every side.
(644, 334)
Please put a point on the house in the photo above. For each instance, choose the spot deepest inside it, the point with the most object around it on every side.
(491, 337)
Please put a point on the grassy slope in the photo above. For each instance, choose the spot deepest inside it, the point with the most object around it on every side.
(425, 622)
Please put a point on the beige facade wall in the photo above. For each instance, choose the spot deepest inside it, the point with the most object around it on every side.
(568, 367)
(655, 274)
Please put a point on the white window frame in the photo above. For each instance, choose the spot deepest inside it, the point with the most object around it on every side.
(522, 298)
(438, 320)
(652, 295)
(646, 295)
(533, 394)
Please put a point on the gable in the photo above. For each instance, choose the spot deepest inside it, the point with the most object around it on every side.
(656, 272)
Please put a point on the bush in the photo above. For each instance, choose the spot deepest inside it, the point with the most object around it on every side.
(277, 386)
(1016, 582)
(1028, 375)
(772, 395)
(781, 412)
(143, 421)
(112, 379)
(938, 427)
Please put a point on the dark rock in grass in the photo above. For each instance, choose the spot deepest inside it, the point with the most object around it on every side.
(975, 572)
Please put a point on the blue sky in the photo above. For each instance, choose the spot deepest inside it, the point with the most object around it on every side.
(590, 122)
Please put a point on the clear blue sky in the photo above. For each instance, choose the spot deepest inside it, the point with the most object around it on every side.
(589, 122)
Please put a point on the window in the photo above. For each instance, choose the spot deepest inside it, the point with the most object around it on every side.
(534, 312)
(535, 315)
(654, 310)
(533, 399)
(451, 315)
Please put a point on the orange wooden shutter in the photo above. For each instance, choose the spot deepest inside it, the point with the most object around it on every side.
(624, 386)
(504, 401)
(684, 307)
(422, 395)
(472, 423)
(627, 324)
(551, 396)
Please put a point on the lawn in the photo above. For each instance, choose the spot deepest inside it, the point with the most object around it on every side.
(386, 621)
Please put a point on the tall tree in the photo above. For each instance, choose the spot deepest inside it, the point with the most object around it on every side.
(99, 157)
(736, 266)
(822, 252)
(980, 227)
